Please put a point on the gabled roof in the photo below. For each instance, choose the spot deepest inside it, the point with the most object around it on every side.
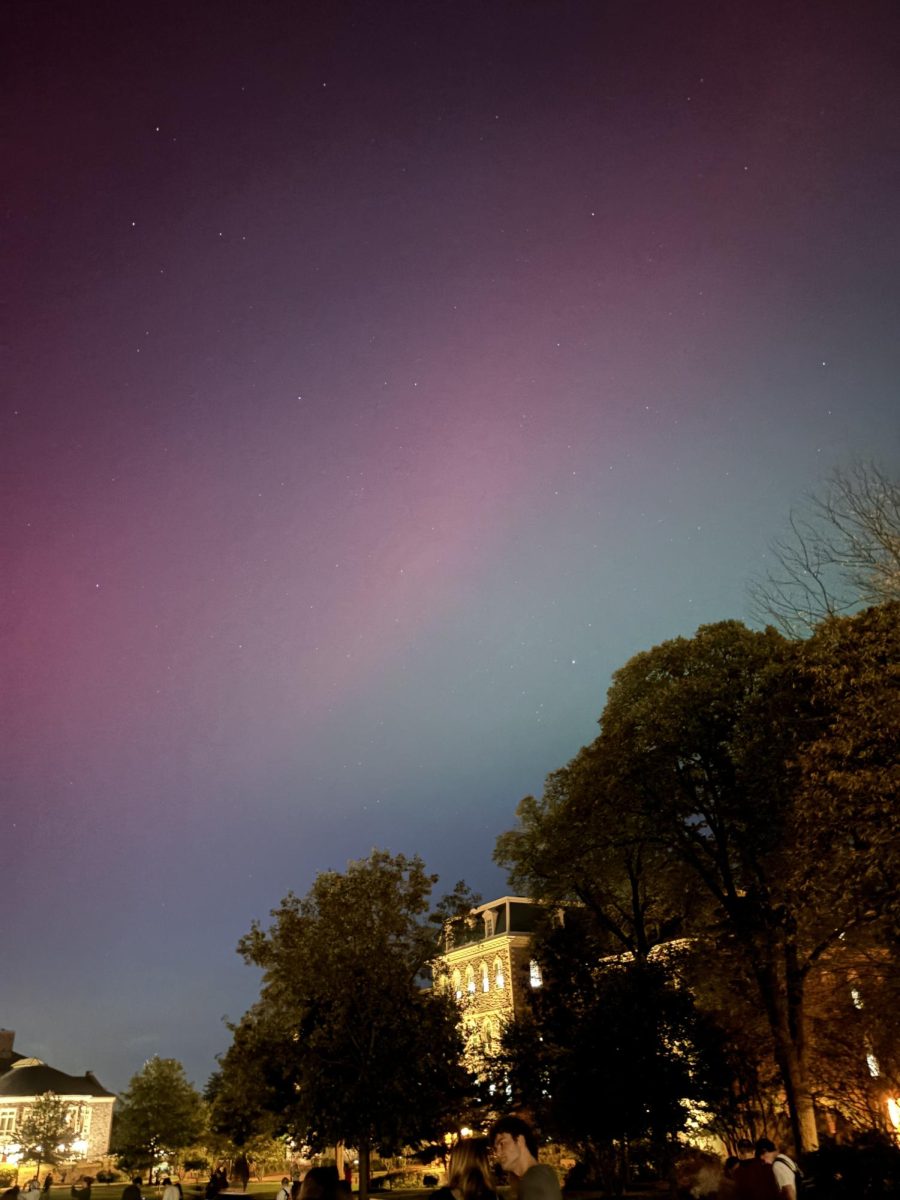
(36, 1080)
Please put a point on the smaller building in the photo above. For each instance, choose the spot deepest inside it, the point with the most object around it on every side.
(23, 1080)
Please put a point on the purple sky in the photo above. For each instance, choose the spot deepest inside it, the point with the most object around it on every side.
(378, 378)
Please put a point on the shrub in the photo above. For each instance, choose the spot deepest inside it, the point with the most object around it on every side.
(867, 1170)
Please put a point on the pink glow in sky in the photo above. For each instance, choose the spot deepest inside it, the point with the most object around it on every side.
(379, 380)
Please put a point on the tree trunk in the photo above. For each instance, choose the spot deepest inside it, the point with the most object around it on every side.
(799, 1097)
(364, 1156)
(622, 1181)
(784, 1005)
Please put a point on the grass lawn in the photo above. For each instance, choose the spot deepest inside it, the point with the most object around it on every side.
(193, 1189)
(267, 1189)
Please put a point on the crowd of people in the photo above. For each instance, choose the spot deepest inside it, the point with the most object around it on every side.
(470, 1175)
(756, 1172)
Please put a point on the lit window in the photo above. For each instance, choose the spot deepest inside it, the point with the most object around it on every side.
(457, 985)
(470, 978)
(499, 978)
(874, 1069)
(485, 978)
(534, 974)
(7, 1120)
(856, 998)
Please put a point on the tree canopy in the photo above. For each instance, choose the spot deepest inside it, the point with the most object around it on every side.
(345, 1042)
(577, 843)
(765, 769)
(162, 1114)
(46, 1133)
(613, 1052)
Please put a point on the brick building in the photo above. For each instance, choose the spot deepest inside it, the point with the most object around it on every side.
(23, 1080)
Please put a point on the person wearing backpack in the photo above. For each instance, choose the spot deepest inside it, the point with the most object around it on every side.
(787, 1175)
(754, 1178)
(784, 1169)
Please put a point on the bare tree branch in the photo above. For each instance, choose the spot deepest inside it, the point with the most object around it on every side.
(839, 554)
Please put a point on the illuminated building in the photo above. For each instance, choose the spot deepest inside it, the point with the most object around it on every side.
(488, 967)
(23, 1080)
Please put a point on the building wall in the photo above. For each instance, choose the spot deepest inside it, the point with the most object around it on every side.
(91, 1118)
(502, 961)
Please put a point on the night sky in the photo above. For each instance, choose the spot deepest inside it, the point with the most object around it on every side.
(378, 378)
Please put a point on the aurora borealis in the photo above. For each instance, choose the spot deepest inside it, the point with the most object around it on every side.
(379, 378)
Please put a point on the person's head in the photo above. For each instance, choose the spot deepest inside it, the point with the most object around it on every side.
(319, 1183)
(285, 1182)
(469, 1169)
(731, 1162)
(765, 1150)
(514, 1144)
(745, 1148)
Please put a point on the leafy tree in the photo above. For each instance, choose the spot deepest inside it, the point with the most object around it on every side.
(613, 1052)
(345, 1044)
(162, 1114)
(724, 990)
(699, 734)
(850, 769)
(848, 819)
(578, 844)
(841, 552)
(46, 1133)
(766, 769)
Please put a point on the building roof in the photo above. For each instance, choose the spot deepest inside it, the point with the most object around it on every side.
(508, 915)
(38, 1079)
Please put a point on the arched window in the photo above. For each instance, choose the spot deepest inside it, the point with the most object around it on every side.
(470, 978)
(499, 977)
(485, 978)
(534, 973)
(457, 985)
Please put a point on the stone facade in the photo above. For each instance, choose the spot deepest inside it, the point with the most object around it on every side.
(23, 1080)
(487, 966)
